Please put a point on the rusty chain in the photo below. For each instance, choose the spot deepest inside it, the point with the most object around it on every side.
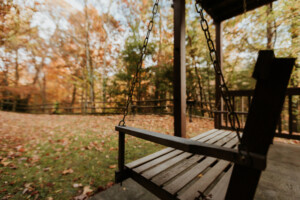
(140, 64)
(233, 118)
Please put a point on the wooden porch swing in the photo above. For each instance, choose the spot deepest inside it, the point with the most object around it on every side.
(218, 164)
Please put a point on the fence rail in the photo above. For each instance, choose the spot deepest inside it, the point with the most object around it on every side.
(289, 122)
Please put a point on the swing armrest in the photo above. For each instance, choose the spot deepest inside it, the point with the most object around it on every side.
(256, 161)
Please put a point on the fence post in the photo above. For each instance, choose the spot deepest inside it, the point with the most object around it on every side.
(279, 125)
(290, 115)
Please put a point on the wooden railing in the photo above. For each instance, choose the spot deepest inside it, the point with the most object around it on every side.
(152, 106)
(289, 122)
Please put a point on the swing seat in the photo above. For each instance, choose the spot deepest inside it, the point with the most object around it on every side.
(209, 165)
(176, 174)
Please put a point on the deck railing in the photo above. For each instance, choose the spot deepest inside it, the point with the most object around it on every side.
(289, 122)
(152, 106)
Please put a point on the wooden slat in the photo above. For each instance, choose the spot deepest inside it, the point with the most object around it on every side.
(185, 178)
(189, 175)
(171, 173)
(168, 175)
(207, 135)
(156, 170)
(197, 137)
(203, 183)
(163, 166)
(215, 136)
(219, 191)
(157, 161)
(149, 157)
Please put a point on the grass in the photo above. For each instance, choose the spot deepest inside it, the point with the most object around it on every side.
(61, 157)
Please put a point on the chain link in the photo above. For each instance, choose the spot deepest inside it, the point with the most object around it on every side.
(233, 118)
(140, 63)
(245, 6)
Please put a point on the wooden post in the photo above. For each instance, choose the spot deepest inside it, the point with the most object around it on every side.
(218, 103)
(121, 157)
(290, 115)
(279, 125)
(121, 174)
(179, 83)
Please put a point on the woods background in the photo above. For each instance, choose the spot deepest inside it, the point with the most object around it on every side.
(79, 56)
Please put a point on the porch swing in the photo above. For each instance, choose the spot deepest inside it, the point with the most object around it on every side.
(217, 164)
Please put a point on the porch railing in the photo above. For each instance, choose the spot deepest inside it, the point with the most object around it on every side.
(289, 122)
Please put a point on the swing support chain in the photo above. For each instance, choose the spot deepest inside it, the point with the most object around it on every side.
(233, 118)
(139, 64)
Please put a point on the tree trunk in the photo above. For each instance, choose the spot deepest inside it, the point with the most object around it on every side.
(209, 93)
(199, 78)
(104, 75)
(17, 77)
(44, 97)
(73, 97)
(294, 31)
(88, 59)
(270, 27)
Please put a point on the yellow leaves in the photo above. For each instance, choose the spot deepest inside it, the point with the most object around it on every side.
(67, 171)
(87, 190)
(4, 162)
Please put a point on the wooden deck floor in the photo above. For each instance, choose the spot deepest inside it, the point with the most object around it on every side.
(180, 175)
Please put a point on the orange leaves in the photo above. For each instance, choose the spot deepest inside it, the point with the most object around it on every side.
(112, 166)
(20, 148)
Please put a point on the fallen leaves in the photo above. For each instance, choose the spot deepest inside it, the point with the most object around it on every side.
(20, 148)
(44, 145)
(28, 188)
(68, 171)
(112, 166)
(87, 191)
(4, 162)
(77, 185)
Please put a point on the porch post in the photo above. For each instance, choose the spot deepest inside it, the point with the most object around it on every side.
(179, 83)
(218, 97)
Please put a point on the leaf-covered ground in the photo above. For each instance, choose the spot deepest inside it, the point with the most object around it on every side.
(70, 157)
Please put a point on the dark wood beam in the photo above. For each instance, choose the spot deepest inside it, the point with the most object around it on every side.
(221, 10)
(179, 83)
(218, 95)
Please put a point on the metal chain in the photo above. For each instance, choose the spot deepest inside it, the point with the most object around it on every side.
(233, 118)
(140, 64)
(245, 6)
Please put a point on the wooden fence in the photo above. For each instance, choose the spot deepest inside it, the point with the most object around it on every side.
(288, 125)
(289, 122)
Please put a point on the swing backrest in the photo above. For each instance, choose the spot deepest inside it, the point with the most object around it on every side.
(272, 75)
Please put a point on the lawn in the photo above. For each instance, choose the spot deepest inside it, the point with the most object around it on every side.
(70, 157)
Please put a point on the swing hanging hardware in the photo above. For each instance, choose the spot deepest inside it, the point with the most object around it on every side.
(140, 64)
(233, 118)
